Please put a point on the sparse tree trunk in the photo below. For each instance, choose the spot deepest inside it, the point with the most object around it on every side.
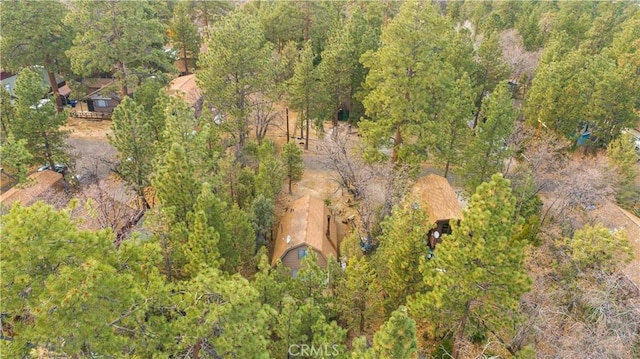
(397, 141)
(124, 92)
(460, 332)
(167, 258)
(446, 168)
(55, 90)
(196, 349)
(306, 141)
(335, 124)
(302, 129)
(184, 59)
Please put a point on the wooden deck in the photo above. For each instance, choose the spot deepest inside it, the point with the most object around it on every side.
(91, 115)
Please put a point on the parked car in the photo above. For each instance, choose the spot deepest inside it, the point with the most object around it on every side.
(59, 167)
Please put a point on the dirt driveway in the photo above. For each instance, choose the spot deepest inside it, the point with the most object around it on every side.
(93, 154)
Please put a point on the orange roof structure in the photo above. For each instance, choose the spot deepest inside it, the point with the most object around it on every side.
(304, 223)
(186, 87)
(37, 184)
(441, 201)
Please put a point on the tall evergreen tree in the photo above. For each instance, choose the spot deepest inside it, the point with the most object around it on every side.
(133, 138)
(397, 336)
(120, 37)
(478, 276)
(450, 133)
(184, 34)
(576, 93)
(402, 247)
(302, 88)
(7, 111)
(359, 299)
(364, 26)
(401, 73)
(335, 73)
(176, 187)
(14, 158)
(622, 153)
(33, 34)
(293, 164)
(206, 12)
(491, 68)
(201, 249)
(37, 122)
(59, 279)
(234, 71)
(487, 151)
(239, 246)
(213, 315)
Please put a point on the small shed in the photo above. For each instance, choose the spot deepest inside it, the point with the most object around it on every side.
(307, 225)
(440, 202)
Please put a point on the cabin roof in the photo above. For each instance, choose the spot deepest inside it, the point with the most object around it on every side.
(186, 87)
(304, 223)
(438, 197)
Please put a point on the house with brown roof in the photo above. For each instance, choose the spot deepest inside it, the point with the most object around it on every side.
(99, 98)
(440, 203)
(307, 225)
(186, 88)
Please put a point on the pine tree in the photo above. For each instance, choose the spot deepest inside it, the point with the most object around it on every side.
(402, 247)
(263, 219)
(491, 68)
(359, 299)
(622, 153)
(133, 138)
(478, 276)
(311, 282)
(7, 111)
(293, 164)
(59, 279)
(120, 37)
(201, 249)
(335, 72)
(153, 98)
(214, 312)
(487, 151)
(402, 75)
(234, 70)
(397, 336)
(450, 132)
(271, 282)
(239, 247)
(302, 88)
(175, 184)
(33, 34)
(14, 158)
(37, 122)
(183, 32)
(595, 248)
(364, 26)
(206, 12)
(270, 171)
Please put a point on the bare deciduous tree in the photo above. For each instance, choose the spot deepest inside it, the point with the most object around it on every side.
(264, 114)
(374, 187)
